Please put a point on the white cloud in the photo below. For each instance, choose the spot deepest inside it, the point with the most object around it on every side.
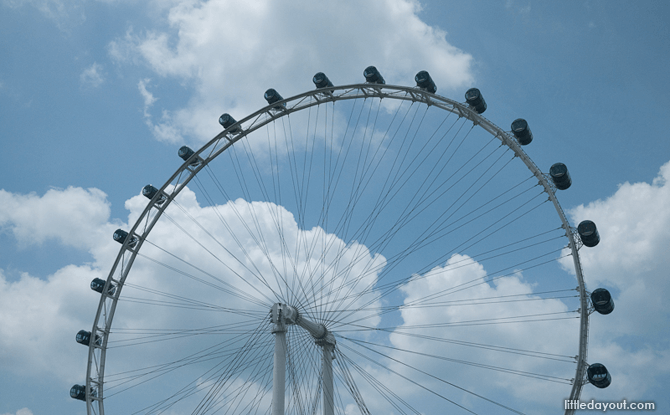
(631, 261)
(230, 52)
(23, 411)
(92, 77)
(165, 130)
(38, 315)
(40, 318)
(555, 337)
(72, 216)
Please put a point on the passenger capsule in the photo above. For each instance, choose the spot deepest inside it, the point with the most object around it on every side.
(185, 153)
(99, 284)
(598, 375)
(588, 233)
(149, 192)
(602, 301)
(120, 236)
(321, 80)
(424, 81)
(560, 176)
(521, 131)
(272, 96)
(475, 99)
(84, 337)
(373, 76)
(78, 392)
(226, 120)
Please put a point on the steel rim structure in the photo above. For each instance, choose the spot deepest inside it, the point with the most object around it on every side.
(200, 159)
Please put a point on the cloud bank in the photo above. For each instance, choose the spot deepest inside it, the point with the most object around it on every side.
(230, 51)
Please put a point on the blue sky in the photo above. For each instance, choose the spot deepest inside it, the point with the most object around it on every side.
(97, 96)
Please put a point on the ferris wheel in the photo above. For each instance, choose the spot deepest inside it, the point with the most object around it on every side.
(364, 248)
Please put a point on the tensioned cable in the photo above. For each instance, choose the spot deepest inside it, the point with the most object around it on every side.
(270, 301)
(232, 290)
(431, 376)
(532, 375)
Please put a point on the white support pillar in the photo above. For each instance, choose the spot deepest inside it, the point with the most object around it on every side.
(281, 315)
(279, 369)
(328, 397)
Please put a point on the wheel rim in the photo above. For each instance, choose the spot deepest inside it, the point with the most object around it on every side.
(259, 294)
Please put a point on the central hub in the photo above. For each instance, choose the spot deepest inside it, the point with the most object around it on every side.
(283, 314)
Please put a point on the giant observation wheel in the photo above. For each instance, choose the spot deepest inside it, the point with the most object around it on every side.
(352, 249)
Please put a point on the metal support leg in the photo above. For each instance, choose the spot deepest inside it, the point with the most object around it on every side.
(279, 370)
(328, 398)
(281, 315)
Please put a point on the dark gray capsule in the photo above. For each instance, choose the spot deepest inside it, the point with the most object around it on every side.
(321, 80)
(560, 176)
(272, 96)
(99, 284)
(475, 100)
(602, 301)
(226, 120)
(185, 153)
(521, 131)
(120, 236)
(150, 191)
(84, 337)
(588, 233)
(78, 392)
(598, 375)
(373, 76)
(424, 81)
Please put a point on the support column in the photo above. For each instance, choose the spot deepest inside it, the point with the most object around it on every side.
(328, 397)
(279, 369)
(281, 315)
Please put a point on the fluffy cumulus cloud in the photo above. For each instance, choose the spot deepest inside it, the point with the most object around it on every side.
(39, 314)
(44, 314)
(466, 322)
(235, 253)
(231, 51)
(40, 318)
(631, 261)
(73, 216)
